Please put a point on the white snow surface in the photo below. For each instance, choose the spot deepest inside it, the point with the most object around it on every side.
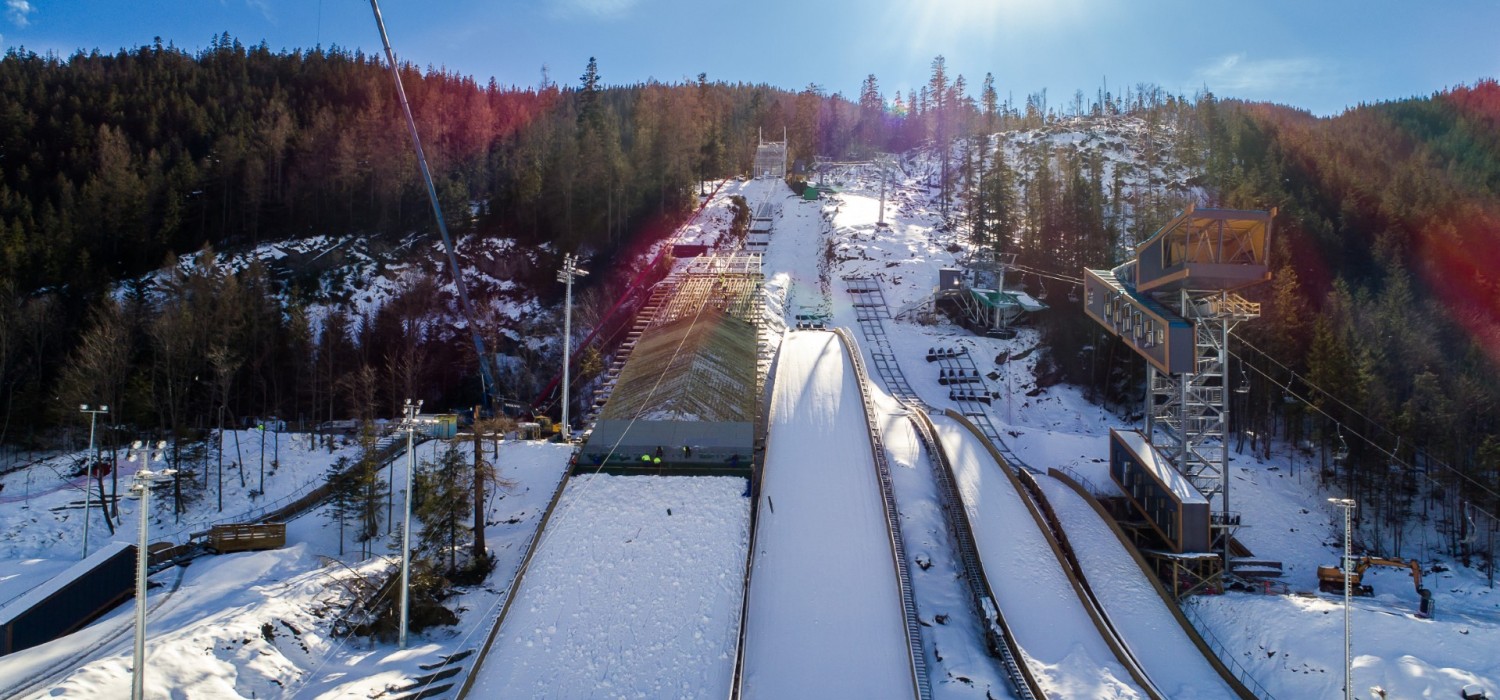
(1069, 656)
(825, 616)
(1290, 640)
(634, 593)
(1160, 645)
(254, 624)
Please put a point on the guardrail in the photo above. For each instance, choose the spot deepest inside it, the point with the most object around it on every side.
(893, 521)
(1222, 653)
(290, 506)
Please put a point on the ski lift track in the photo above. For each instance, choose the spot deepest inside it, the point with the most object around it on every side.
(871, 311)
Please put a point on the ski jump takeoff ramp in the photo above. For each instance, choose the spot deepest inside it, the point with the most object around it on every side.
(825, 618)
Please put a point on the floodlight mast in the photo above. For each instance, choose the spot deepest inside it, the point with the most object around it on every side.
(487, 378)
(569, 272)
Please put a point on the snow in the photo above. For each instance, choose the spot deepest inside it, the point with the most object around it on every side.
(635, 592)
(209, 637)
(825, 614)
(1139, 615)
(1046, 617)
(258, 624)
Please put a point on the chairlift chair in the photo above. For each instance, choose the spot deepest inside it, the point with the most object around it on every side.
(1244, 385)
(1342, 454)
(1073, 295)
(1041, 294)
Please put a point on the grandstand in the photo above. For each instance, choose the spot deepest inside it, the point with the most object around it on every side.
(685, 401)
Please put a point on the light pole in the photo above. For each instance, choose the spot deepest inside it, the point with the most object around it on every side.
(262, 426)
(1348, 505)
(410, 424)
(221, 458)
(88, 473)
(566, 275)
(144, 478)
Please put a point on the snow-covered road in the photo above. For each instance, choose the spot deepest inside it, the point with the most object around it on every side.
(824, 612)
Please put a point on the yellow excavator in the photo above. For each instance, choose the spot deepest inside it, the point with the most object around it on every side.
(1331, 579)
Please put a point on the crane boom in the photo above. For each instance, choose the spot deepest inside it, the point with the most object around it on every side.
(487, 379)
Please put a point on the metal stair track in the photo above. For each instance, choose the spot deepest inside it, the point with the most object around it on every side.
(958, 525)
(892, 517)
(871, 311)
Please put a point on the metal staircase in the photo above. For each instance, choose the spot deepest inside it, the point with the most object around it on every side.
(871, 312)
(643, 318)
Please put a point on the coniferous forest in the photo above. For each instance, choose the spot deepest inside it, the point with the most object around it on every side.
(1385, 291)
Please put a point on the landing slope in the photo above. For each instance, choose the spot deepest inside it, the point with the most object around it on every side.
(1056, 635)
(824, 611)
(1159, 643)
(635, 591)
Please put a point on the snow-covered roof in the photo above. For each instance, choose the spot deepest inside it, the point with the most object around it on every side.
(10, 612)
(1164, 472)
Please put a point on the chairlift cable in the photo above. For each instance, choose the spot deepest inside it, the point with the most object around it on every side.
(1287, 390)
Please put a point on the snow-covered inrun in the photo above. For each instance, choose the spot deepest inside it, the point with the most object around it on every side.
(825, 616)
(1138, 613)
(1050, 624)
(634, 592)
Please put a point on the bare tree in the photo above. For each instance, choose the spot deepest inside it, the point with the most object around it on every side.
(96, 373)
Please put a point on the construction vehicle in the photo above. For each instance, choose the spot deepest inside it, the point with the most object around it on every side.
(1331, 579)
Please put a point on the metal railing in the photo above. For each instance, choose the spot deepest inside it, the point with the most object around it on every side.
(870, 311)
(1222, 652)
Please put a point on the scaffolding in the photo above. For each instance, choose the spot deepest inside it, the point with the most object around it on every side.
(770, 158)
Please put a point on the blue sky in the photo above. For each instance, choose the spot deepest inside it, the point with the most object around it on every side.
(1320, 55)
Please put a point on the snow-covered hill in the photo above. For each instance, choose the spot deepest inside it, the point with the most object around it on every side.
(258, 625)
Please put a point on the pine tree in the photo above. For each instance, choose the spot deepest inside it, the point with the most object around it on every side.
(442, 503)
(990, 99)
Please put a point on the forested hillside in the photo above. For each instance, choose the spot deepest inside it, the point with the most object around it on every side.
(1387, 242)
